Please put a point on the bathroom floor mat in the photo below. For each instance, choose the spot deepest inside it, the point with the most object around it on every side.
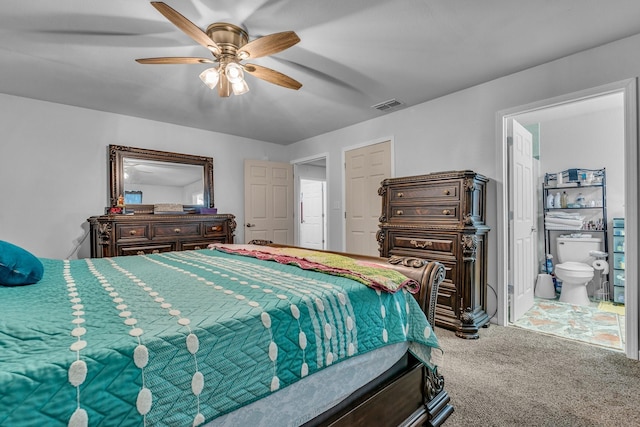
(581, 323)
(611, 307)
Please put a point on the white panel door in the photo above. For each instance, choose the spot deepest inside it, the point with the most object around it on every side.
(523, 234)
(268, 201)
(365, 168)
(312, 207)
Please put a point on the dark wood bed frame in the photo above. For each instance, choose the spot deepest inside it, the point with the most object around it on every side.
(408, 394)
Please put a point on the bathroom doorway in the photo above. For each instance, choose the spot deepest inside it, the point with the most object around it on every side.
(576, 113)
(310, 189)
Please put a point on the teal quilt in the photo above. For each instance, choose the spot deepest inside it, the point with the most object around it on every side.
(180, 338)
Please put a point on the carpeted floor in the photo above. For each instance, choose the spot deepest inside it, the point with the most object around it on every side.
(515, 377)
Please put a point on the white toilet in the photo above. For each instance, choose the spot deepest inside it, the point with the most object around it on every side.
(574, 268)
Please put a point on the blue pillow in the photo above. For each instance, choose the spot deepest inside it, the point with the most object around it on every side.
(18, 266)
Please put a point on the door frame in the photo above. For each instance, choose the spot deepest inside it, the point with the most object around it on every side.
(629, 89)
(343, 178)
(296, 194)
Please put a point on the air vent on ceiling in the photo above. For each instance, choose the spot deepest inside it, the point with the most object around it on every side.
(392, 104)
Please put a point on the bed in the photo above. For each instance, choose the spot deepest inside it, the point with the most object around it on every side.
(227, 336)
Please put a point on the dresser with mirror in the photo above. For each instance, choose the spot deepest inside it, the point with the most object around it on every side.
(159, 201)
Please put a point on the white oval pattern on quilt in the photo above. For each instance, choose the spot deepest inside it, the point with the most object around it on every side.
(329, 358)
(302, 340)
(198, 420)
(427, 332)
(143, 403)
(197, 383)
(275, 383)
(136, 332)
(266, 319)
(295, 312)
(304, 371)
(273, 351)
(193, 343)
(141, 356)
(349, 323)
(327, 331)
(80, 418)
(385, 335)
(77, 372)
(78, 345)
(78, 332)
(383, 311)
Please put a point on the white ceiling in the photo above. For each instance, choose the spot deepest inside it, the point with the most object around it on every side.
(353, 54)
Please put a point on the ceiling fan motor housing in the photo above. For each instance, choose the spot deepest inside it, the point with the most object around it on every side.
(228, 37)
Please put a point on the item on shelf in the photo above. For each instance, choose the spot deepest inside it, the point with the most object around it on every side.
(563, 221)
(557, 200)
(581, 201)
(550, 201)
(563, 200)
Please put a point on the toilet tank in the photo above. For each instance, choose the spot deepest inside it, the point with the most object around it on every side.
(577, 248)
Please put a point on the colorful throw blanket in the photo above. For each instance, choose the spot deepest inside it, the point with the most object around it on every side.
(371, 274)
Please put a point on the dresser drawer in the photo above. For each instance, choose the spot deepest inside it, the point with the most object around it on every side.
(145, 249)
(133, 231)
(441, 244)
(176, 230)
(215, 228)
(446, 212)
(440, 191)
(190, 246)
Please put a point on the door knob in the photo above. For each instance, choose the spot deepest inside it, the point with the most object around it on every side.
(250, 225)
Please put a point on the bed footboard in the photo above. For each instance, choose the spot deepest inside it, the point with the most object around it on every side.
(415, 395)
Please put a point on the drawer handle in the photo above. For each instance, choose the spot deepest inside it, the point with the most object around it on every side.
(400, 194)
(447, 192)
(399, 212)
(140, 253)
(177, 230)
(197, 248)
(133, 232)
(446, 212)
(423, 244)
(216, 228)
(155, 251)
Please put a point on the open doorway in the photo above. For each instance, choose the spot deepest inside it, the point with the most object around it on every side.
(311, 202)
(623, 164)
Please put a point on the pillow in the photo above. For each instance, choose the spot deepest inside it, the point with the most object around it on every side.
(18, 266)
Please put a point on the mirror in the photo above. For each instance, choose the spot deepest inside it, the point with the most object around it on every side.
(147, 177)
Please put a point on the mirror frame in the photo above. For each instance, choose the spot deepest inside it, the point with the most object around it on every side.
(117, 154)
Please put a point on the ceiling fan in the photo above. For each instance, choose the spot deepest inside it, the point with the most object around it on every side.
(229, 45)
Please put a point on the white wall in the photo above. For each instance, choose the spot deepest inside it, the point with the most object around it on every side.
(53, 168)
(459, 131)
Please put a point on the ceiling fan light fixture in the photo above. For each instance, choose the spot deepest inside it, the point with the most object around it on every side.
(234, 73)
(240, 87)
(210, 77)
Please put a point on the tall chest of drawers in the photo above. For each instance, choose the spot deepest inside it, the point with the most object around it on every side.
(441, 217)
(118, 235)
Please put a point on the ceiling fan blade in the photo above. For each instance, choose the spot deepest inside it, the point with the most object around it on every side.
(268, 45)
(174, 60)
(272, 76)
(189, 28)
(224, 88)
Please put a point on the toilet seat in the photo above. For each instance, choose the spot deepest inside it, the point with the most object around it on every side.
(574, 276)
(575, 269)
